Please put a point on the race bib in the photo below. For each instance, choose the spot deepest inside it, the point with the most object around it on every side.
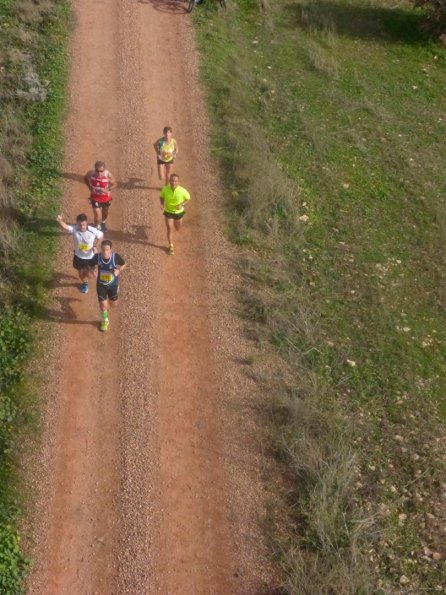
(84, 247)
(106, 277)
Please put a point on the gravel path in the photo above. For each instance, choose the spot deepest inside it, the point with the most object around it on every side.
(150, 475)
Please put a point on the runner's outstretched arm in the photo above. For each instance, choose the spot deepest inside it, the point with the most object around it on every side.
(61, 222)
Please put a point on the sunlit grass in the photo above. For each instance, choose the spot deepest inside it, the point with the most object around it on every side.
(329, 125)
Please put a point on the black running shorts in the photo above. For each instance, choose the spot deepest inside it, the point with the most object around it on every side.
(174, 215)
(97, 205)
(107, 292)
(82, 263)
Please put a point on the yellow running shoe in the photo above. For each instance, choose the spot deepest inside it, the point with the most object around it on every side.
(170, 248)
(104, 325)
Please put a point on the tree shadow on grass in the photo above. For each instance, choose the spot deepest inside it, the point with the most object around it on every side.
(359, 22)
(44, 226)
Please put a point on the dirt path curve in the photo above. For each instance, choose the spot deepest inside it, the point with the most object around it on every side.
(147, 483)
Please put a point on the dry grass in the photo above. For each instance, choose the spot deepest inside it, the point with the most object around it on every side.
(267, 202)
(326, 128)
(323, 60)
(15, 141)
(33, 11)
(17, 48)
(9, 235)
(270, 215)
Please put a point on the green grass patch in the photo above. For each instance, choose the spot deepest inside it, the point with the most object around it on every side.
(328, 120)
(33, 44)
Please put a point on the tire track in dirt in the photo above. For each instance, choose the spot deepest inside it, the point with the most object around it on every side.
(151, 486)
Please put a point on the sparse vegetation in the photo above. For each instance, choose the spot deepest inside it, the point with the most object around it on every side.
(328, 122)
(12, 563)
(33, 37)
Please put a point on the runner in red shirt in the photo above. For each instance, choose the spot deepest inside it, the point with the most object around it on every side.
(100, 182)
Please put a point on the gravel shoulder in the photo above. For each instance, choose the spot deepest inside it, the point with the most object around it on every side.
(151, 470)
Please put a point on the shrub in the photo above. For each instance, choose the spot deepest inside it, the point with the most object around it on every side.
(14, 346)
(12, 563)
(437, 15)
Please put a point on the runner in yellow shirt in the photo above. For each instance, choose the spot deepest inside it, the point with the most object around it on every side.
(166, 149)
(173, 197)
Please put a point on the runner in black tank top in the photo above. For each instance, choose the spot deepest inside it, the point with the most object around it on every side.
(110, 266)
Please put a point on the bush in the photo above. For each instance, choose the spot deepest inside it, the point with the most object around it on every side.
(12, 562)
(437, 15)
(15, 339)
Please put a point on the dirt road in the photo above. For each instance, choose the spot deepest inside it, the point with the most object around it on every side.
(150, 473)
